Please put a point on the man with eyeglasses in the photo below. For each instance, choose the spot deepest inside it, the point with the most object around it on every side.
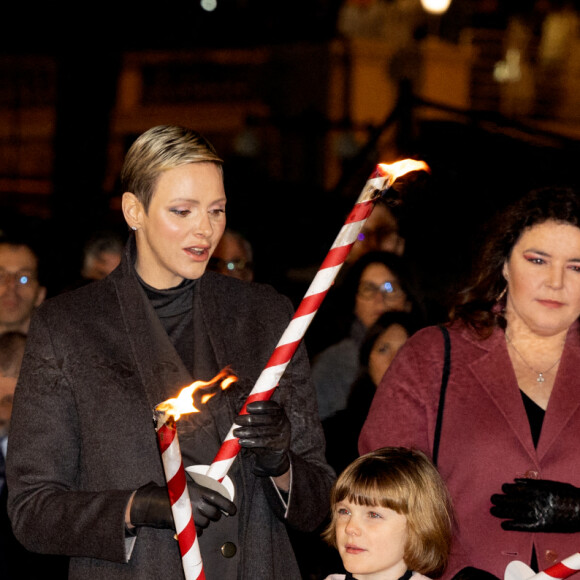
(20, 291)
(233, 257)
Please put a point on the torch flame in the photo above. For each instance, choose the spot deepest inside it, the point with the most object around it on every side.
(400, 168)
(183, 403)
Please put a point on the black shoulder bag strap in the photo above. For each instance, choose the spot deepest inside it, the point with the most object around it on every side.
(444, 379)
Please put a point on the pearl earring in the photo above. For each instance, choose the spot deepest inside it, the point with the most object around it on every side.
(134, 228)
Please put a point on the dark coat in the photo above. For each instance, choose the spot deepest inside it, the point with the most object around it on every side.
(82, 436)
(16, 562)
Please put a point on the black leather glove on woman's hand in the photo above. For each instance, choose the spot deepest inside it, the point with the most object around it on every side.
(265, 430)
(538, 505)
(151, 506)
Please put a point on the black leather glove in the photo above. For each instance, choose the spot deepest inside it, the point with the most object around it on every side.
(151, 506)
(470, 573)
(538, 505)
(265, 430)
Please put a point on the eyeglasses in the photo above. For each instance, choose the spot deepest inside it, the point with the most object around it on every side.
(238, 264)
(388, 290)
(21, 278)
(378, 235)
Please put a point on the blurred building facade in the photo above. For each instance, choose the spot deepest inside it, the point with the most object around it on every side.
(299, 110)
(291, 118)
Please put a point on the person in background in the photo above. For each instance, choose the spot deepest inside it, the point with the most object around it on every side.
(511, 410)
(101, 255)
(233, 257)
(379, 347)
(391, 517)
(375, 284)
(15, 561)
(380, 233)
(20, 289)
(11, 352)
(84, 471)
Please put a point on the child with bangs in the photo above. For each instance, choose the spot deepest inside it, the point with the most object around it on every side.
(391, 517)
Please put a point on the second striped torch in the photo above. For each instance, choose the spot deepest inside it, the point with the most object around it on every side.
(378, 184)
(517, 570)
(166, 415)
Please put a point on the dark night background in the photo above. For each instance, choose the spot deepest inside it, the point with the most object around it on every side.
(478, 163)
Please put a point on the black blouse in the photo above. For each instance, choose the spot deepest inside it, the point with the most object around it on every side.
(535, 415)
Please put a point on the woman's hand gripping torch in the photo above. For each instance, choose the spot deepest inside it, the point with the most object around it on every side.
(377, 186)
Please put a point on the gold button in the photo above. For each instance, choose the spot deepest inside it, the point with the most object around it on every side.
(229, 550)
(551, 556)
(531, 474)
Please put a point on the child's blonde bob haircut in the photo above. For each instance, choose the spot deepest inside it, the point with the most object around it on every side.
(405, 481)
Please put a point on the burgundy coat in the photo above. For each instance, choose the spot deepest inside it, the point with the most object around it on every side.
(486, 439)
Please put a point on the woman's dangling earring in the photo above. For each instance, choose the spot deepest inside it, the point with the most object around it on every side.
(502, 294)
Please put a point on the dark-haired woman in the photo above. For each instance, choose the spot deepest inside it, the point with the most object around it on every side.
(511, 414)
(376, 283)
(382, 342)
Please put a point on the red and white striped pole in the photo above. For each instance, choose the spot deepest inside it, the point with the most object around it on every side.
(519, 571)
(380, 181)
(179, 496)
(562, 569)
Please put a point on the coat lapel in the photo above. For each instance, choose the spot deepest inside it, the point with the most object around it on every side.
(494, 372)
(565, 398)
(216, 308)
(217, 325)
(161, 370)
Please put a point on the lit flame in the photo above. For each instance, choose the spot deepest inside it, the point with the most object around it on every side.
(183, 403)
(400, 168)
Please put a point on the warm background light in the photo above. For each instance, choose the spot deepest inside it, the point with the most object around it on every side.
(435, 6)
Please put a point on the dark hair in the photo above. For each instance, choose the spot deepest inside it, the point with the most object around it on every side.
(395, 263)
(334, 320)
(20, 241)
(17, 241)
(408, 320)
(480, 305)
(363, 389)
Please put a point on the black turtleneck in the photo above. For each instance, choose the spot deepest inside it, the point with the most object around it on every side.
(174, 306)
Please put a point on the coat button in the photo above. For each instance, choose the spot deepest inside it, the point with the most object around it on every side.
(229, 550)
(551, 556)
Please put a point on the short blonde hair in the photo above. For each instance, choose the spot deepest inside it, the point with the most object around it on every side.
(406, 481)
(159, 149)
